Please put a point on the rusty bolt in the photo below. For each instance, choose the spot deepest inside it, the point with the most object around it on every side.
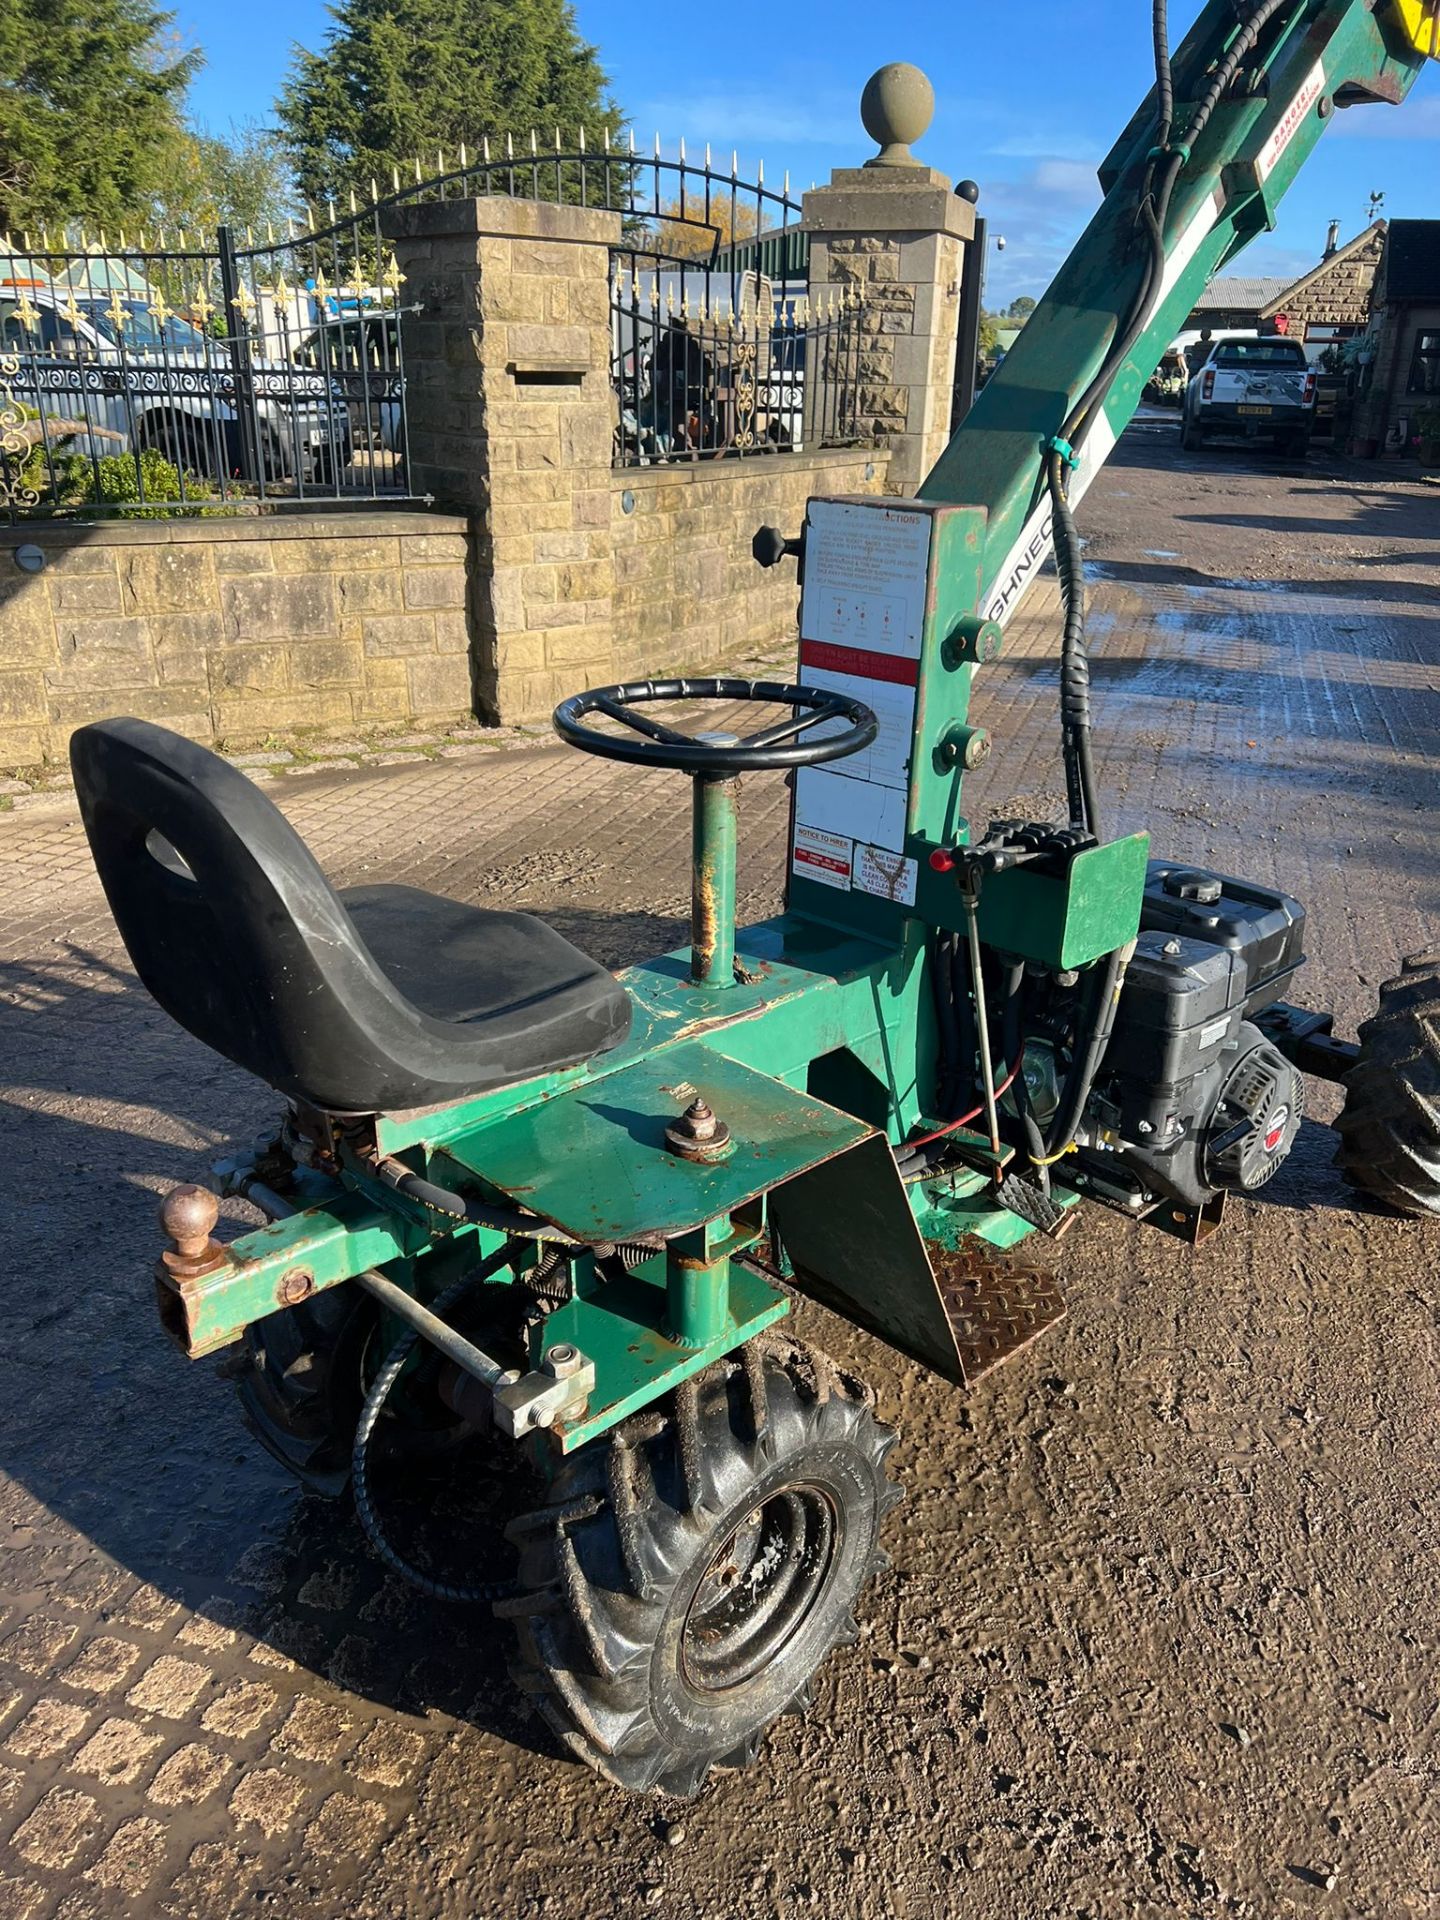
(296, 1284)
(697, 1134)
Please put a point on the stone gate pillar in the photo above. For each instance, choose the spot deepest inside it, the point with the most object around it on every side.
(892, 233)
(510, 416)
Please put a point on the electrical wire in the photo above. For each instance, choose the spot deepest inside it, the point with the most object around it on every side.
(954, 1126)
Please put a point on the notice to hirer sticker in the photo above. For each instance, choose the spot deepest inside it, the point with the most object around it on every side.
(826, 857)
(890, 876)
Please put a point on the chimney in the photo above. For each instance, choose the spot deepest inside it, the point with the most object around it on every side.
(1332, 239)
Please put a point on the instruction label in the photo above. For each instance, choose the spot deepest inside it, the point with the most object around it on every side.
(889, 876)
(862, 625)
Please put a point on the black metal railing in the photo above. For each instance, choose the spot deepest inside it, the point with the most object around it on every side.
(708, 365)
(259, 372)
(192, 379)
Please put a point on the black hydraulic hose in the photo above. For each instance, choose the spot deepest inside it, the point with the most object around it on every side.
(1243, 44)
(478, 1593)
(1164, 76)
(1161, 173)
(1089, 1055)
(968, 1081)
(947, 1022)
(1019, 1090)
(1074, 661)
(511, 1220)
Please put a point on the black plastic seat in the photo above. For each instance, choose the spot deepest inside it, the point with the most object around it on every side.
(371, 1000)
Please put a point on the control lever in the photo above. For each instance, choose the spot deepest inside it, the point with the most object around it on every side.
(1010, 843)
(770, 547)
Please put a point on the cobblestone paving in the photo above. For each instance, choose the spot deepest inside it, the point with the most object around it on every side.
(213, 1702)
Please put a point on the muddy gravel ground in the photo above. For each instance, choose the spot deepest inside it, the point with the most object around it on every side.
(1159, 1634)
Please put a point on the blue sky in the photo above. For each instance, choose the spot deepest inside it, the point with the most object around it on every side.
(1027, 104)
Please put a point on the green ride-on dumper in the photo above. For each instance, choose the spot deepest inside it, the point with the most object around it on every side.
(513, 1197)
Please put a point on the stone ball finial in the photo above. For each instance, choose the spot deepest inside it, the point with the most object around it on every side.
(896, 107)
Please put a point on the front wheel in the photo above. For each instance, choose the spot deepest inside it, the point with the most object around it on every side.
(692, 1571)
(1390, 1125)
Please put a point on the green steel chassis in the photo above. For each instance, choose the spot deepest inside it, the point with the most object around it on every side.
(812, 1036)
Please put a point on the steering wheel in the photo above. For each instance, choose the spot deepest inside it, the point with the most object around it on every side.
(780, 745)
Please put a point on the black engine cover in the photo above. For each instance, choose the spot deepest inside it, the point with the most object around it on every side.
(1184, 1071)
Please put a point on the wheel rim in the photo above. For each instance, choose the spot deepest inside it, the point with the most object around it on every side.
(759, 1589)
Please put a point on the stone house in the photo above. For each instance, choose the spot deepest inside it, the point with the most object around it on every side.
(1399, 376)
(1330, 303)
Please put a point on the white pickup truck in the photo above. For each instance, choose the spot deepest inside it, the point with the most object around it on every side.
(128, 382)
(1251, 389)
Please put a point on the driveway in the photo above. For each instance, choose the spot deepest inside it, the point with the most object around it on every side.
(1159, 1634)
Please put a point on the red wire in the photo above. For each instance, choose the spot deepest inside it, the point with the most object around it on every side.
(927, 1139)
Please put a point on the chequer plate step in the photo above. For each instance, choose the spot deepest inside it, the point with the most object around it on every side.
(995, 1304)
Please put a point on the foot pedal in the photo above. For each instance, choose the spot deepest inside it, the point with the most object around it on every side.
(1035, 1208)
(995, 1305)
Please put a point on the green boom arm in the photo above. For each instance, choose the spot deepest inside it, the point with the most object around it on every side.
(1317, 57)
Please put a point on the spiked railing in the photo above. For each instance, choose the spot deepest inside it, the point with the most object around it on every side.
(178, 373)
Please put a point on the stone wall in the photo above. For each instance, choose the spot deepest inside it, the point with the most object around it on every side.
(232, 629)
(891, 240)
(687, 592)
(1385, 403)
(511, 414)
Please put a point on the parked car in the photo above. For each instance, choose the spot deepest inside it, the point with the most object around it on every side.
(361, 352)
(138, 382)
(1260, 388)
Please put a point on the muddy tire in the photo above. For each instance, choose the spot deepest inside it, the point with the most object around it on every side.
(692, 1571)
(301, 1383)
(1390, 1126)
(1191, 438)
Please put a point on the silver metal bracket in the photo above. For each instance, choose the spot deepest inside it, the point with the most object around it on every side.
(559, 1390)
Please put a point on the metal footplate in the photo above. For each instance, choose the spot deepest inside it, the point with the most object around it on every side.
(995, 1304)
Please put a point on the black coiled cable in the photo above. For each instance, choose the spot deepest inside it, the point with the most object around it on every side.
(477, 1593)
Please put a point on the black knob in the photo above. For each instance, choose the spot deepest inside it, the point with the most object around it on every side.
(770, 547)
(1186, 883)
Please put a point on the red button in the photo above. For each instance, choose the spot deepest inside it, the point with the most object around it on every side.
(942, 861)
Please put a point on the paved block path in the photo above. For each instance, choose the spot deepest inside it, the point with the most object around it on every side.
(1159, 1634)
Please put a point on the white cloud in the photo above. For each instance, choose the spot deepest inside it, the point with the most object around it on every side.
(1067, 180)
(1041, 215)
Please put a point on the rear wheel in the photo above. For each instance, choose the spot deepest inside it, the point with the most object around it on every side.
(185, 443)
(304, 1375)
(1191, 438)
(692, 1571)
(1390, 1126)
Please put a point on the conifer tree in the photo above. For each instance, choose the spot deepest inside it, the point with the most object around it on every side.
(91, 95)
(397, 79)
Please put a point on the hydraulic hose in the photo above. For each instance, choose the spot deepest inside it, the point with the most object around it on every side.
(1015, 1050)
(478, 1593)
(1089, 1056)
(1074, 660)
(946, 1020)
